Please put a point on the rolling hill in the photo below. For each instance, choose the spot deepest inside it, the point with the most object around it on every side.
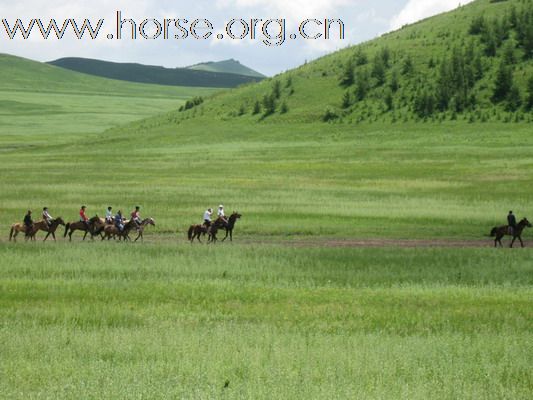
(43, 103)
(133, 72)
(474, 63)
(230, 66)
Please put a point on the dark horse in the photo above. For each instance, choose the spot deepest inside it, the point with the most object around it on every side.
(94, 226)
(221, 224)
(195, 231)
(232, 220)
(499, 232)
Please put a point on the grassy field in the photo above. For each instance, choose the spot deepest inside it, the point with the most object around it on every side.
(280, 313)
(298, 181)
(41, 104)
(175, 321)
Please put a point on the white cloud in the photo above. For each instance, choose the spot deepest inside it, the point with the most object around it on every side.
(416, 10)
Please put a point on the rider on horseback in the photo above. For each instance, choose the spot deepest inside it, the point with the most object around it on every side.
(136, 216)
(28, 223)
(221, 215)
(84, 219)
(47, 217)
(207, 217)
(109, 215)
(119, 221)
(511, 221)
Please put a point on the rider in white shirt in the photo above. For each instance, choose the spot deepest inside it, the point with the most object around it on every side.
(207, 217)
(46, 216)
(221, 214)
(109, 215)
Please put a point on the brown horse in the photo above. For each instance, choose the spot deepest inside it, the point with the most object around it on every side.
(16, 229)
(499, 232)
(94, 226)
(112, 231)
(195, 231)
(50, 229)
(232, 220)
(212, 231)
(140, 229)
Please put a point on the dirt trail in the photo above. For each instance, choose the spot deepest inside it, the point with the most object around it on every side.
(316, 242)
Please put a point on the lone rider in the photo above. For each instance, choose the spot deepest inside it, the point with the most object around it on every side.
(221, 214)
(207, 217)
(28, 224)
(84, 219)
(109, 215)
(47, 217)
(119, 221)
(511, 221)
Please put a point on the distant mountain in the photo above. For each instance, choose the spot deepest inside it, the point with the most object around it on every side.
(230, 66)
(153, 74)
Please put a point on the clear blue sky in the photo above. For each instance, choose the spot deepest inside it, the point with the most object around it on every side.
(364, 19)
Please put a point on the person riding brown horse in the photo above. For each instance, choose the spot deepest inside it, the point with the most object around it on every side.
(50, 228)
(111, 231)
(499, 232)
(91, 226)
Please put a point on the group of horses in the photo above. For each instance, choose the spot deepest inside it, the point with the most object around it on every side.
(198, 230)
(96, 226)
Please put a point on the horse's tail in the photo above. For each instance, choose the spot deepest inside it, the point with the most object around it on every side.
(67, 226)
(189, 233)
(493, 232)
(11, 232)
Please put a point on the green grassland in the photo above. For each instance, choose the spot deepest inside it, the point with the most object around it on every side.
(275, 314)
(175, 321)
(44, 104)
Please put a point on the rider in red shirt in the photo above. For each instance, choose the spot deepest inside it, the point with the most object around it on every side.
(83, 217)
(136, 216)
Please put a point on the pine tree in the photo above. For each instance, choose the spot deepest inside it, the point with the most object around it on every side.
(284, 108)
(379, 70)
(346, 100)
(276, 89)
(269, 105)
(257, 108)
(529, 95)
(361, 85)
(503, 83)
(394, 81)
(347, 77)
(513, 101)
(360, 58)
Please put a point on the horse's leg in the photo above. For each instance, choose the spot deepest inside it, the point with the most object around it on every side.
(46, 237)
(84, 236)
(512, 242)
(54, 236)
(521, 242)
(227, 232)
(231, 235)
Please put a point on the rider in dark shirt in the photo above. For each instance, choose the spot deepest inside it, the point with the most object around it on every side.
(28, 223)
(511, 221)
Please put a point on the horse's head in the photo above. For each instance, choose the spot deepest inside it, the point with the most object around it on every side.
(235, 215)
(525, 222)
(94, 219)
(59, 221)
(148, 221)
